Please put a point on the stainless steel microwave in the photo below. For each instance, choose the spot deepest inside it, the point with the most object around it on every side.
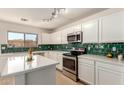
(74, 37)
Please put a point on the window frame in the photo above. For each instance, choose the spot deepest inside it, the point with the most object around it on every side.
(24, 37)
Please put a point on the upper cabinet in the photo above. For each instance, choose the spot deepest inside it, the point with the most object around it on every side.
(70, 30)
(55, 38)
(45, 38)
(109, 28)
(90, 31)
(64, 36)
(77, 28)
(112, 28)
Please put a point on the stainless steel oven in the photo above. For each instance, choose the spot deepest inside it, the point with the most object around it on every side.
(70, 63)
(70, 67)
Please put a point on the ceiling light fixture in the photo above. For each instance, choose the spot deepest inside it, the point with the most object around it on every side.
(56, 12)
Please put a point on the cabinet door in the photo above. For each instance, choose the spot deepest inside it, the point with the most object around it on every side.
(112, 28)
(108, 77)
(53, 55)
(86, 71)
(50, 55)
(105, 75)
(64, 36)
(90, 31)
(78, 28)
(56, 37)
(59, 59)
(52, 36)
(70, 30)
(45, 38)
(46, 54)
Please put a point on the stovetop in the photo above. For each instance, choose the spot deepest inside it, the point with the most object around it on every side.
(75, 53)
(70, 55)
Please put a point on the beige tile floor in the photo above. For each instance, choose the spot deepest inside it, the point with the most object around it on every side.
(60, 80)
(63, 80)
(7, 81)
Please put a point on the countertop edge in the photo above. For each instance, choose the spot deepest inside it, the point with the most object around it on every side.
(27, 71)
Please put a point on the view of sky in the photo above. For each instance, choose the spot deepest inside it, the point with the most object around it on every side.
(30, 37)
(20, 36)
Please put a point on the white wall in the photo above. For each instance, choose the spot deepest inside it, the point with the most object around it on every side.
(8, 26)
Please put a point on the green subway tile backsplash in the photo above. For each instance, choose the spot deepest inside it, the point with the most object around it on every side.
(92, 48)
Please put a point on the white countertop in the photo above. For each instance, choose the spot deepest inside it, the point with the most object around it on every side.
(22, 53)
(102, 59)
(17, 64)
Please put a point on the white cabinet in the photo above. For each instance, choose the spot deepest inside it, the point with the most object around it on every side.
(57, 56)
(45, 38)
(52, 38)
(100, 72)
(60, 60)
(64, 36)
(77, 28)
(70, 30)
(86, 70)
(53, 55)
(0, 49)
(46, 54)
(56, 37)
(112, 28)
(108, 74)
(90, 31)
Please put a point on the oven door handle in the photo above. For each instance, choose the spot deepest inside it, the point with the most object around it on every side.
(74, 58)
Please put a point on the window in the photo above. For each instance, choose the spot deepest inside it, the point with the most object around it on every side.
(22, 39)
(16, 39)
(30, 40)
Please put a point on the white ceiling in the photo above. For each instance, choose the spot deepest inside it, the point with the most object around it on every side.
(35, 16)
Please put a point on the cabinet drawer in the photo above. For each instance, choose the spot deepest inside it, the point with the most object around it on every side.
(113, 67)
(86, 61)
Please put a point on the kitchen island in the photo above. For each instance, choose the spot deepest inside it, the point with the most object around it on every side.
(39, 71)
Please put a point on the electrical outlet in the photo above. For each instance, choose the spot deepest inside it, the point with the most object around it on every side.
(113, 48)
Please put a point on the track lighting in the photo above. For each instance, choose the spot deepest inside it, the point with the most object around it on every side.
(56, 12)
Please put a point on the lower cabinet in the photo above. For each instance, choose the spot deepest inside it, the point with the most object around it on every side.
(107, 74)
(46, 54)
(57, 56)
(100, 72)
(86, 71)
(53, 55)
(60, 60)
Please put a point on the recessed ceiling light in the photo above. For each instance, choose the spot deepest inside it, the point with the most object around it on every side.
(24, 19)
